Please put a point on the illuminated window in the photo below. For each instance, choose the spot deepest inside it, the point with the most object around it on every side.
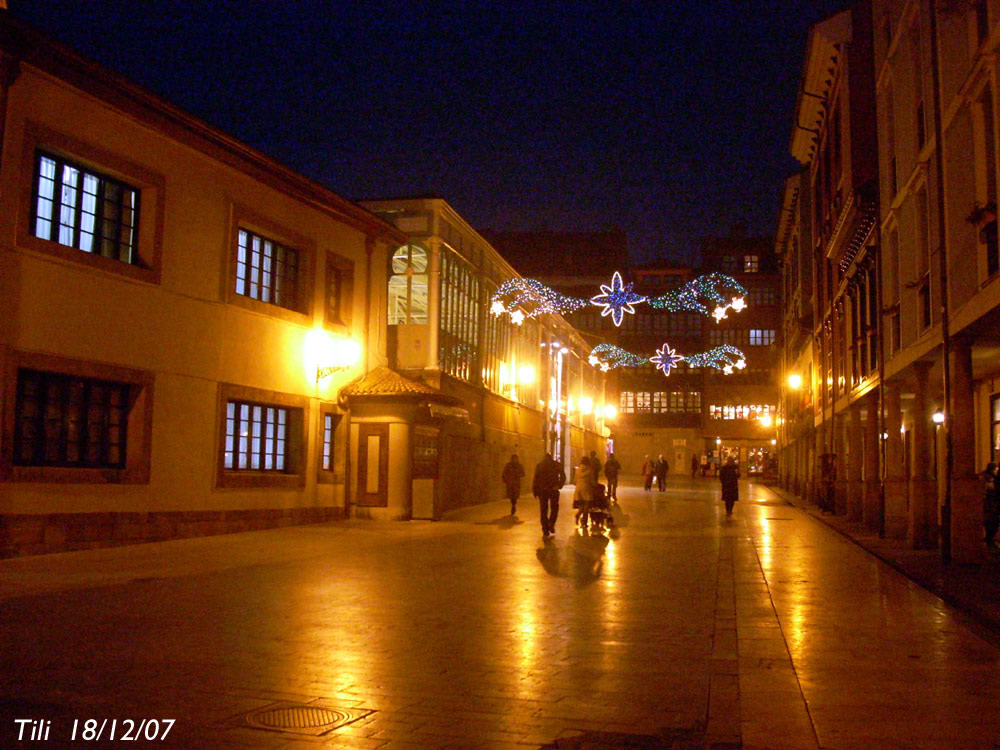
(339, 290)
(751, 263)
(761, 337)
(459, 331)
(83, 209)
(327, 459)
(63, 420)
(266, 271)
(408, 286)
(626, 402)
(256, 437)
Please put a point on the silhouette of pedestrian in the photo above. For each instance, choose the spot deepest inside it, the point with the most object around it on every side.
(511, 476)
(729, 477)
(545, 485)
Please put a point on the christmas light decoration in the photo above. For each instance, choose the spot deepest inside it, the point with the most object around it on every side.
(666, 359)
(689, 298)
(611, 356)
(617, 299)
(725, 358)
(531, 298)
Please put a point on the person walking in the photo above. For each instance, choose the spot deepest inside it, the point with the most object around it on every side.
(695, 465)
(595, 462)
(991, 503)
(729, 477)
(648, 471)
(585, 492)
(511, 476)
(545, 485)
(611, 470)
(662, 467)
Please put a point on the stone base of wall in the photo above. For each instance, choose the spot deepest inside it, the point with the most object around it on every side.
(67, 532)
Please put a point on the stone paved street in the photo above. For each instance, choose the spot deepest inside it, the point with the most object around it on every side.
(684, 630)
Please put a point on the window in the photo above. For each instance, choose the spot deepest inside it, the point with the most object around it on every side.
(459, 329)
(63, 420)
(408, 286)
(74, 421)
(994, 427)
(256, 437)
(83, 209)
(263, 438)
(761, 337)
(425, 452)
(339, 290)
(751, 263)
(626, 402)
(266, 270)
(326, 459)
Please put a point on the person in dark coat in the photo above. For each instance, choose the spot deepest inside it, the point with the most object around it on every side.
(648, 472)
(611, 470)
(991, 503)
(695, 465)
(545, 485)
(662, 467)
(596, 463)
(511, 476)
(729, 477)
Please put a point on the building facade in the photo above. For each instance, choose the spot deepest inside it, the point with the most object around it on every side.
(178, 314)
(904, 363)
(524, 388)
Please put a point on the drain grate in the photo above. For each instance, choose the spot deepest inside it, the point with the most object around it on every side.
(302, 718)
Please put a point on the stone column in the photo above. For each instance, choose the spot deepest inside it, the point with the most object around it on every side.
(923, 521)
(966, 491)
(873, 480)
(895, 481)
(840, 449)
(855, 464)
(434, 309)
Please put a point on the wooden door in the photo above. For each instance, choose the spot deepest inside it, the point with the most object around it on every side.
(373, 465)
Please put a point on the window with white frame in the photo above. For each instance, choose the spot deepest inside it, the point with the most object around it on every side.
(84, 209)
(266, 270)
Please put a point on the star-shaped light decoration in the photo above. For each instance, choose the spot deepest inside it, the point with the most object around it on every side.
(738, 304)
(517, 317)
(719, 313)
(617, 299)
(728, 369)
(666, 359)
(497, 308)
(740, 364)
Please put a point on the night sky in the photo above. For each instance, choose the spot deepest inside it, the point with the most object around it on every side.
(668, 120)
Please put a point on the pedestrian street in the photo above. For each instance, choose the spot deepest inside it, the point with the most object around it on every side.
(678, 629)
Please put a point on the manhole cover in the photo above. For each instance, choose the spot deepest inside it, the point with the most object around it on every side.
(302, 718)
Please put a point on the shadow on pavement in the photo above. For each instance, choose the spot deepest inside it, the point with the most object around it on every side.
(504, 522)
(580, 561)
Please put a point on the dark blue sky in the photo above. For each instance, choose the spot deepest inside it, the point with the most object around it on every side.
(669, 120)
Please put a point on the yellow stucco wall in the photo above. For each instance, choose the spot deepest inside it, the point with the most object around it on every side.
(182, 329)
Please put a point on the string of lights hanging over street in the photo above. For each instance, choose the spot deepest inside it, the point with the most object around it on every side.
(529, 298)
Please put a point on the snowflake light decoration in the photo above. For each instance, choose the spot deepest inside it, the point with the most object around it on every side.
(617, 299)
(666, 359)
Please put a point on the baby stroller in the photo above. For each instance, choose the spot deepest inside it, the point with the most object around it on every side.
(599, 514)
